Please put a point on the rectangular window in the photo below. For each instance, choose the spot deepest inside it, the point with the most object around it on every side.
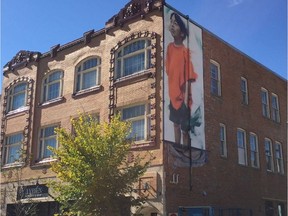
(269, 155)
(47, 138)
(279, 158)
(275, 114)
(244, 90)
(215, 78)
(12, 148)
(223, 144)
(254, 157)
(265, 103)
(241, 143)
(139, 116)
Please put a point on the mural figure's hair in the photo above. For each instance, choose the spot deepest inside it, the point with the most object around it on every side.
(181, 24)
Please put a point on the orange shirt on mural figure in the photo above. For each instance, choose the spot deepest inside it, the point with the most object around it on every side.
(180, 70)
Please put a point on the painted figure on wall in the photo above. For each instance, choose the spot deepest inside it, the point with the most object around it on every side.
(181, 74)
(183, 104)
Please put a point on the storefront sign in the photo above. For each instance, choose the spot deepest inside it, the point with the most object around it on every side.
(32, 191)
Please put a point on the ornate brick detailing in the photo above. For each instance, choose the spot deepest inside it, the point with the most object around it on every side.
(133, 9)
(27, 111)
(21, 59)
(152, 69)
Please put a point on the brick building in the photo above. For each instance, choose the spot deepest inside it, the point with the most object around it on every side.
(238, 161)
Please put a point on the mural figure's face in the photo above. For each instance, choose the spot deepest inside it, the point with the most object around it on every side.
(174, 28)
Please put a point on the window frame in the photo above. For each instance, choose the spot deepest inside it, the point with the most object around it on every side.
(275, 110)
(265, 104)
(147, 121)
(244, 92)
(215, 80)
(279, 161)
(41, 143)
(147, 50)
(7, 148)
(12, 95)
(223, 141)
(45, 94)
(81, 72)
(254, 153)
(242, 153)
(269, 155)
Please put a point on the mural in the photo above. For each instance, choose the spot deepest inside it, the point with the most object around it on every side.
(183, 82)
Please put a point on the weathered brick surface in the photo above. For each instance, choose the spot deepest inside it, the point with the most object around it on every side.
(221, 182)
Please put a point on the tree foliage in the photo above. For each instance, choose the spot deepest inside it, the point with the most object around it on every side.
(14, 193)
(95, 175)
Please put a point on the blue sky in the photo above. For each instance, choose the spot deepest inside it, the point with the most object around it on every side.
(256, 27)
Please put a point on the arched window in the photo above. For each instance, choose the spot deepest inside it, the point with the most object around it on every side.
(17, 96)
(52, 86)
(133, 57)
(88, 74)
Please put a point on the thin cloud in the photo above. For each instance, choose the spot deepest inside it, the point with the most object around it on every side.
(234, 3)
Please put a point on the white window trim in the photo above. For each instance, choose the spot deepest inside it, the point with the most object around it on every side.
(6, 154)
(41, 140)
(244, 147)
(146, 118)
(276, 110)
(219, 92)
(270, 154)
(267, 105)
(146, 49)
(244, 91)
(98, 75)
(256, 150)
(223, 142)
(279, 161)
(11, 96)
(48, 84)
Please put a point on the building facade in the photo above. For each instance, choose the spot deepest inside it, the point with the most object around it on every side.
(237, 132)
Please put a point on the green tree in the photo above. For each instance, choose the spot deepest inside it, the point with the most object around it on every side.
(95, 176)
(13, 191)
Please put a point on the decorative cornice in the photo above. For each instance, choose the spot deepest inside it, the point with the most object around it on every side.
(133, 9)
(22, 58)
